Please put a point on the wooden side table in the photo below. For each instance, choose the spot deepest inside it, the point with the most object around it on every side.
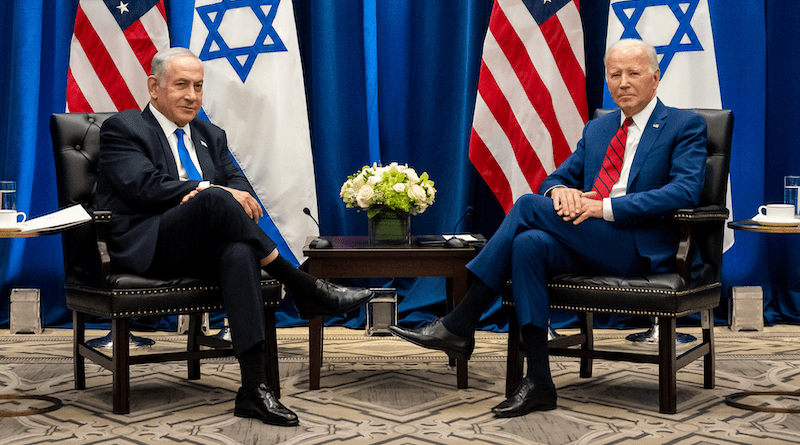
(355, 257)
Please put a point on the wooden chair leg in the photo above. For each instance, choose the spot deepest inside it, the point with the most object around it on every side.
(586, 321)
(271, 351)
(709, 370)
(78, 338)
(193, 345)
(314, 351)
(120, 334)
(667, 368)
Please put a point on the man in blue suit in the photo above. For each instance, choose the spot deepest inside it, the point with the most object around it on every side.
(182, 208)
(591, 215)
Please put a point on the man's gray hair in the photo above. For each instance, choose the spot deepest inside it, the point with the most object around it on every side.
(160, 61)
(651, 51)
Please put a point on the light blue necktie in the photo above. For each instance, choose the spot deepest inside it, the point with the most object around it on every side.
(186, 160)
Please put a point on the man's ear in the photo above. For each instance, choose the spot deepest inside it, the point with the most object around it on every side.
(152, 84)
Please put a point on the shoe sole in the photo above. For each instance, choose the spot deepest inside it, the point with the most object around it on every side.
(505, 415)
(252, 415)
(450, 353)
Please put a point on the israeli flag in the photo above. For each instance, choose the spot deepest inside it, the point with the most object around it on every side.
(253, 89)
(681, 32)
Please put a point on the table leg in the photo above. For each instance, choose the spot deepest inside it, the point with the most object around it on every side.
(456, 287)
(314, 351)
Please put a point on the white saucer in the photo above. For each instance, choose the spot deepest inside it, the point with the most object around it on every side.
(764, 221)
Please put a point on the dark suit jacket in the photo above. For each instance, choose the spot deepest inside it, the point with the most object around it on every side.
(667, 174)
(138, 180)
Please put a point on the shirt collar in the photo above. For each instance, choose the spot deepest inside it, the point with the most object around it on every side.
(641, 118)
(167, 125)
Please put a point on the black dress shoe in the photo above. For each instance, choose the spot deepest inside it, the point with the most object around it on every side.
(526, 399)
(330, 299)
(260, 403)
(436, 336)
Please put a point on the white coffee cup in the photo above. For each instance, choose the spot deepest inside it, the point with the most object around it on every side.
(777, 212)
(10, 218)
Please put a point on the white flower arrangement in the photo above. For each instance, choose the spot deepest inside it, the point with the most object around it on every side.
(394, 186)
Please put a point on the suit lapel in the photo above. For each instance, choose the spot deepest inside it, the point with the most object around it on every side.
(166, 151)
(649, 135)
(203, 154)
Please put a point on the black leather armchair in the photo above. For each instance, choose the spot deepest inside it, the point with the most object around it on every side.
(92, 289)
(666, 296)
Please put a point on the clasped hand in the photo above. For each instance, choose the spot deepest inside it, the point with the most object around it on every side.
(249, 204)
(575, 205)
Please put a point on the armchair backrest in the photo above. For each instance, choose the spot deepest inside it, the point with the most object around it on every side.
(76, 145)
(709, 236)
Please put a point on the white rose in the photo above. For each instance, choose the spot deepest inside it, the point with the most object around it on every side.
(374, 179)
(417, 193)
(399, 187)
(365, 195)
(412, 175)
(358, 181)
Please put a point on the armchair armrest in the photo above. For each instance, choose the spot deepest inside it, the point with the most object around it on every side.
(100, 220)
(686, 218)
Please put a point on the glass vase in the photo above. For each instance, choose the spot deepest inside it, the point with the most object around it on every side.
(390, 226)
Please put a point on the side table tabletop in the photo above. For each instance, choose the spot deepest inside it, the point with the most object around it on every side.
(355, 257)
(752, 226)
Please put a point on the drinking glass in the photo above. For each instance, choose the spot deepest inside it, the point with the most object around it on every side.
(791, 187)
(8, 195)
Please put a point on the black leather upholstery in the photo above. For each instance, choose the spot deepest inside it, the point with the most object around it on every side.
(667, 296)
(92, 289)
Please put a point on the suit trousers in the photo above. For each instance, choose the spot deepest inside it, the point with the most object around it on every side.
(533, 244)
(211, 237)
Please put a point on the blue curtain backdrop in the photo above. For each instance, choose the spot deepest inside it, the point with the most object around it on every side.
(396, 81)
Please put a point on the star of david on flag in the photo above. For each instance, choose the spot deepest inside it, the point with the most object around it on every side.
(241, 58)
(630, 13)
(253, 89)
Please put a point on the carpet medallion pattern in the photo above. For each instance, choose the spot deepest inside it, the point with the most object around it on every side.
(381, 390)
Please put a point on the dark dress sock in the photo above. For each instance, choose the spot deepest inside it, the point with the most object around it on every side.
(464, 318)
(295, 280)
(534, 340)
(253, 367)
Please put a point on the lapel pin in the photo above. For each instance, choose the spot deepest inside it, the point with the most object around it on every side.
(655, 125)
(203, 143)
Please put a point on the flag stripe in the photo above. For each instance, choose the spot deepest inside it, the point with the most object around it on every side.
(74, 94)
(531, 104)
(490, 170)
(109, 66)
(532, 83)
(503, 114)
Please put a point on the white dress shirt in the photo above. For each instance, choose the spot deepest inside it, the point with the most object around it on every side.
(169, 128)
(631, 144)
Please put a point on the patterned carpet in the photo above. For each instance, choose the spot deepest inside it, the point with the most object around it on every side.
(380, 390)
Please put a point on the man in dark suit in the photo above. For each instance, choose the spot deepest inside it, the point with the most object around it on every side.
(182, 207)
(602, 211)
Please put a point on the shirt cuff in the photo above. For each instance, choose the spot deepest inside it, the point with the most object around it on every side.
(608, 212)
(203, 185)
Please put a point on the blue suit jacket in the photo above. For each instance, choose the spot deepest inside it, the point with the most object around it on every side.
(667, 174)
(138, 180)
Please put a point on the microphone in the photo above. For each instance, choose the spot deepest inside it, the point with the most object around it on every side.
(453, 241)
(319, 242)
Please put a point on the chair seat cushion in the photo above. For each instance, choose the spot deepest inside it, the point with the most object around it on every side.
(132, 295)
(657, 295)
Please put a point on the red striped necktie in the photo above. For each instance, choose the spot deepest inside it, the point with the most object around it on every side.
(612, 163)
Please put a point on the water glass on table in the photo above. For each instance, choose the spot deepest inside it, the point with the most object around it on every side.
(9, 216)
(791, 187)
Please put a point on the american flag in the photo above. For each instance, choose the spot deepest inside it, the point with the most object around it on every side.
(112, 46)
(531, 105)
